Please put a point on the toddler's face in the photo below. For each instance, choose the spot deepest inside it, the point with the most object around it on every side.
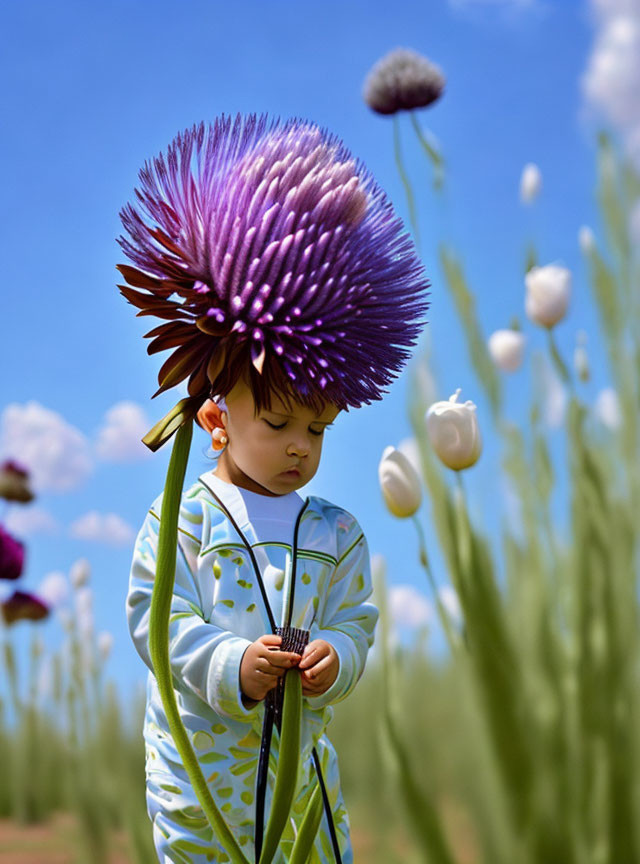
(263, 446)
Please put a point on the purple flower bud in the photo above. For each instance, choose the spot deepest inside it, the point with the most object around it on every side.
(22, 605)
(401, 81)
(11, 556)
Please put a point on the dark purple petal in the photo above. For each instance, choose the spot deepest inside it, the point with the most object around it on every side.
(11, 556)
(22, 605)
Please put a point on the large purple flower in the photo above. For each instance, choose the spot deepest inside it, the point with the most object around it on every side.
(11, 556)
(22, 605)
(282, 252)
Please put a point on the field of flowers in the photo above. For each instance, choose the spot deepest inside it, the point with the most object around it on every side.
(523, 746)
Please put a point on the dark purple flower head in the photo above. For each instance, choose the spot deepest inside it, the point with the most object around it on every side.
(11, 556)
(284, 257)
(22, 605)
(14, 482)
(401, 81)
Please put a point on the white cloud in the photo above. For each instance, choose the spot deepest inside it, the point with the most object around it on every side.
(410, 609)
(119, 439)
(106, 528)
(449, 599)
(54, 589)
(26, 521)
(611, 79)
(56, 454)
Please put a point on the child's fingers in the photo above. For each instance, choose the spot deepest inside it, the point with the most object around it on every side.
(317, 668)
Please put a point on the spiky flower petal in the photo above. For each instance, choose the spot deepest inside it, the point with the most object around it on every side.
(401, 81)
(284, 256)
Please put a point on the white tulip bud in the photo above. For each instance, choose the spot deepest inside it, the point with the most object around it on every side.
(105, 643)
(530, 183)
(506, 348)
(580, 357)
(586, 240)
(80, 572)
(548, 291)
(399, 482)
(607, 408)
(454, 433)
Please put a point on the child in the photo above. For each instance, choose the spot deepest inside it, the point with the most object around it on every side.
(285, 213)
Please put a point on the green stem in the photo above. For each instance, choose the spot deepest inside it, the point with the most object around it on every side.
(442, 612)
(159, 638)
(432, 153)
(288, 764)
(301, 852)
(405, 180)
(558, 361)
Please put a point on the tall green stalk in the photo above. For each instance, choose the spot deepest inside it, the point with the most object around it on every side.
(159, 637)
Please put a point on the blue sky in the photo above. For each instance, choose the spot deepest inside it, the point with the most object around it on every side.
(95, 89)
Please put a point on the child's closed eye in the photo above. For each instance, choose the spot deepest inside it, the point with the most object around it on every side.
(282, 425)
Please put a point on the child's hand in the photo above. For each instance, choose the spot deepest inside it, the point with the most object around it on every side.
(262, 664)
(318, 668)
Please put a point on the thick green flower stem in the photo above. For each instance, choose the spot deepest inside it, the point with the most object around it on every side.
(288, 765)
(301, 852)
(159, 637)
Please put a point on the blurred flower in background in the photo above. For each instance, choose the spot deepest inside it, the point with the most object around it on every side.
(530, 183)
(11, 556)
(507, 349)
(401, 81)
(586, 239)
(548, 293)
(607, 408)
(14, 482)
(22, 605)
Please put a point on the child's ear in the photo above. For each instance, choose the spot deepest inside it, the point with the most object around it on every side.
(209, 416)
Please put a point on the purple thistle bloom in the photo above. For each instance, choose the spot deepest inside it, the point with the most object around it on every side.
(22, 605)
(11, 556)
(283, 253)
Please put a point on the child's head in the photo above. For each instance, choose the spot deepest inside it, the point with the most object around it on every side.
(268, 433)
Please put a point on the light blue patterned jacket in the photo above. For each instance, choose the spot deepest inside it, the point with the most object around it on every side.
(218, 609)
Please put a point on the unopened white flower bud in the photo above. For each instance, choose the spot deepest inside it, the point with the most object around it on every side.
(454, 432)
(530, 183)
(548, 292)
(506, 348)
(399, 482)
(80, 573)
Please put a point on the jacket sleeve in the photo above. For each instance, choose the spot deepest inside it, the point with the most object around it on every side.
(347, 621)
(204, 658)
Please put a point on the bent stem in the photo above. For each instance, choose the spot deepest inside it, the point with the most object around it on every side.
(159, 638)
(288, 765)
(454, 644)
(405, 180)
(432, 153)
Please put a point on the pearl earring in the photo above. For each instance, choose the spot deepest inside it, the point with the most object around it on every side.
(219, 438)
